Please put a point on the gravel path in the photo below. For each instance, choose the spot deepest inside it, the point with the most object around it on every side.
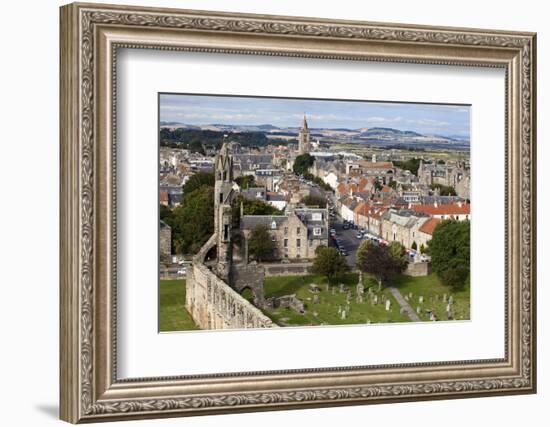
(404, 304)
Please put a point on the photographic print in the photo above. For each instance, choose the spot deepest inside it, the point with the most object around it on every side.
(279, 212)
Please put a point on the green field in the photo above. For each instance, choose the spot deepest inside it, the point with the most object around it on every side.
(326, 312)
(173, 315)
(431, 289)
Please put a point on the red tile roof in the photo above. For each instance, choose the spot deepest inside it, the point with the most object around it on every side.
(448, 209)
(429, 226)
(361, 209)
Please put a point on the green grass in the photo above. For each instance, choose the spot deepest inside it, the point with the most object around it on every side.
(432, 290)
(173, 314)
(327, 309)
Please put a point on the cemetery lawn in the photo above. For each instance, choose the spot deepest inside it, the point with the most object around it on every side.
(327, 309)
(433, 292)
(173, 315)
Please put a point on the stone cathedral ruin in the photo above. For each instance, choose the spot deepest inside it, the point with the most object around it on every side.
(216, 280)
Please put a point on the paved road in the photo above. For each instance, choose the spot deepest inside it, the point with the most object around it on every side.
(351, 243)
(404, 304)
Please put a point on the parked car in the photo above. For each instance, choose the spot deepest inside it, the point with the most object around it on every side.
(182, 271)
(345, 226)
(343, 252)
(359, 235)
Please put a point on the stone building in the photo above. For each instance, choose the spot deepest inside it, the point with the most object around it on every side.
(295, 235)
(384, 172)
(304, 144)
(451, 174)
(165, 243)
(402, 225)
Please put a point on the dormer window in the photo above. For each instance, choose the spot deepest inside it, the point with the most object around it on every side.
(317, 231)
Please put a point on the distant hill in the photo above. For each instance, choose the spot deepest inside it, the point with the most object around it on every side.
(374, 135)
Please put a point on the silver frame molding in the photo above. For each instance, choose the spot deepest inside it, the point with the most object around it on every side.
(90, 37)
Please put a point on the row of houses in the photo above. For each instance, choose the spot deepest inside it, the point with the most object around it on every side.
(412, 226)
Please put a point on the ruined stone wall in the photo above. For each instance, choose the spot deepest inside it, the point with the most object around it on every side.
(213, 304)
(165, 243)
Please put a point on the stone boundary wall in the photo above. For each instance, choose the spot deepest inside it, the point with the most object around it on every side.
(418, 269)
(287, 269)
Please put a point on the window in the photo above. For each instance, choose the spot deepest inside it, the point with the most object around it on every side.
(221, 197)
(286, 231)
(298, 230)
(285, 243)
(226, 231)
(273, 225)
(317, 216)
(298, 243)
(317, 231)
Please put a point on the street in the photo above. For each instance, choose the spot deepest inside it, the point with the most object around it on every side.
(350, 242)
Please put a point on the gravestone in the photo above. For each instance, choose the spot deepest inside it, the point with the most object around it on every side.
(314, 288)
(343, 315)
(444, 297)
(417, 310)
(420, 299)
(388, 305)
(316, 299)
(341, 288)
(451, 300)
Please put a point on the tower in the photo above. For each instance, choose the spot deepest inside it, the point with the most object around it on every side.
(223, 197)
(303, 138)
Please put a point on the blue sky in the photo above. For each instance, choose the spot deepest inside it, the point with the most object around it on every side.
(450, 120)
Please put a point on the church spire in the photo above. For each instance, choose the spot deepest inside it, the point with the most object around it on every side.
(303, 138)
(304, 122)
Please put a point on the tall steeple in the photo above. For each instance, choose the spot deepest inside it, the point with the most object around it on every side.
(304, 145)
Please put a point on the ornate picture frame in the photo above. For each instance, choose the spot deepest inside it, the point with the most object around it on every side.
(90, 37)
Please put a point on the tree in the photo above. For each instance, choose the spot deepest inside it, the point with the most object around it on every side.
(378, 185)
(193, 222)
(302, 163)
(166, 214)
(198, 180)
(450, 252)
(329, 263)
(444, 190)
(260, 245)
(414, 246)
(422, 248)
(379, 261)
(411, 165)
(310, 200)
(245, 181)
(399, 254)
